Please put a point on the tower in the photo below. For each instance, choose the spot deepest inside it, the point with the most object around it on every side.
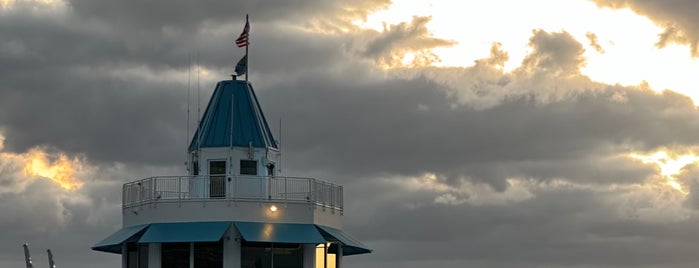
(234, 208)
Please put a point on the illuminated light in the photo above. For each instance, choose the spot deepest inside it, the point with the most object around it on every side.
(669, 166)
(60, 170)
(273, 208)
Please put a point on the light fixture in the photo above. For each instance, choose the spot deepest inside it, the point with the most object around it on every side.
(273, 208)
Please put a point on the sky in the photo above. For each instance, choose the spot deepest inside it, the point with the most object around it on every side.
(465, 133)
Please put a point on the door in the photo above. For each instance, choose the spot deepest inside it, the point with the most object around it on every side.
(217, 174)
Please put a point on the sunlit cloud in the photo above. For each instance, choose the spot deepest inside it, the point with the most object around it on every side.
(670, 165)
(40, 164)
(11, 4)
(610, 59)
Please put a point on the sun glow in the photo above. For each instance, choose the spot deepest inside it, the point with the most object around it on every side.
(60, 169)
(670, 166)
(623, 52)
(37, 163)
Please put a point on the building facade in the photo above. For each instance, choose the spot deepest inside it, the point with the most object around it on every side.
(233, 209)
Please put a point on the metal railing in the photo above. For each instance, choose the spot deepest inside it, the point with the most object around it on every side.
(252, 188)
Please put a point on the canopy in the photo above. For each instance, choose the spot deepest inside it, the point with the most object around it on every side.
(112, 243)
(350, 245)
(279, 232)
(172, 232)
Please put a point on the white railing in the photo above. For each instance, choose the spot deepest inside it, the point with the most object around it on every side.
(251, 188)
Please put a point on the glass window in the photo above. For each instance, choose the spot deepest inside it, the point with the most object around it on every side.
(175, 255)
(209, 254)
(248, 167)
(142, 255)
(320, 256)
(263, 255)
(131, 255)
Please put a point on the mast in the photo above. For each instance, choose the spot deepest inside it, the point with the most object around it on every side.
(247, 61)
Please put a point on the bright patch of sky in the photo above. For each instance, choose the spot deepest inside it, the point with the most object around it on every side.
(628, 56)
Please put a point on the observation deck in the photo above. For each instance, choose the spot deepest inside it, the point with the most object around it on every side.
(232, 198)
(265, 189)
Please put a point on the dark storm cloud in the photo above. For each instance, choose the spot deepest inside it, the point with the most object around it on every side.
(162, 14)
(677, 17)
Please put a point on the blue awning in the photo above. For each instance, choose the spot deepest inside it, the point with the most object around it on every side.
(350, 245)
(279, 232)
(185, 232)
(113, 242)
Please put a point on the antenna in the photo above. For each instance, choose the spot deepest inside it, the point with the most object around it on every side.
(279, 144)
(230, 150)
(189, 86)
(199, 132)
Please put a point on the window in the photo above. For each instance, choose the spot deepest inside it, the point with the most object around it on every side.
(142, 255)
(248, 167)
(208, 254)
(131, 255)
(175, 255)
(331, 256)
(260, 255)
(136, 255)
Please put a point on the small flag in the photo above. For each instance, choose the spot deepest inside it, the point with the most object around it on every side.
(242, 65)
(243, 40)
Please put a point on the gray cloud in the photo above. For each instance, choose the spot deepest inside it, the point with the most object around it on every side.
(391, 45)
(677, 17)
(557, 53)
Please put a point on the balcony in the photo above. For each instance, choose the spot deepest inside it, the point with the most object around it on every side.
(232, 188)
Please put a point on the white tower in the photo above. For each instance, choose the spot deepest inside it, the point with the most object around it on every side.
(233, 209)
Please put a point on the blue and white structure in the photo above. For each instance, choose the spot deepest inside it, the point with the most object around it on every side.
(234, 209)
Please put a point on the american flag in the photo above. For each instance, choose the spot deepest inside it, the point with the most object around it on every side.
(243, 40)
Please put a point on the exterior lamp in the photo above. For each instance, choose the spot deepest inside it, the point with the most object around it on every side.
(273, 208)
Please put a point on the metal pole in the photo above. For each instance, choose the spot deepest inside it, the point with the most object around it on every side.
(51, 264)
(247, 64)
(27, 257)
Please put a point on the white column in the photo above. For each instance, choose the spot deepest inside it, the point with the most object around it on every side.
(154, 255)
(231, 248)
(309, 256)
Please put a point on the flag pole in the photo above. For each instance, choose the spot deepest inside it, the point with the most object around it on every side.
(247, 22)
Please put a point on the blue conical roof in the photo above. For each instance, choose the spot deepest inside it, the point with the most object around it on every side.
(249, 123)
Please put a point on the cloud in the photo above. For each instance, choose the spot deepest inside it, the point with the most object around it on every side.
(441, 166)
(677, 17)
(556, 53)
(594, 43)
(390, 46)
